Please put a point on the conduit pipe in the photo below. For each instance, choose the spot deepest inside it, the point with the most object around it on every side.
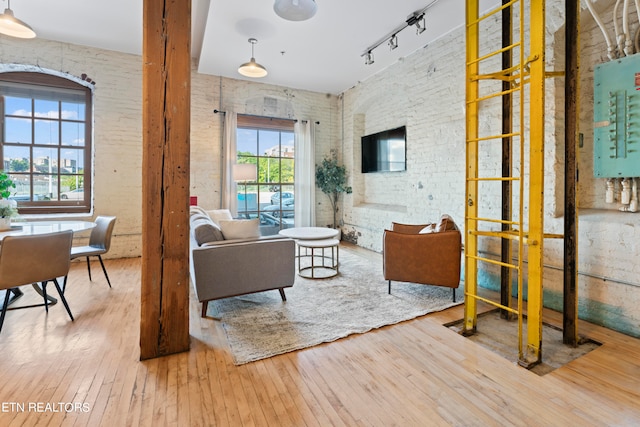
(628, 42)
(610, 49)
(616, 29)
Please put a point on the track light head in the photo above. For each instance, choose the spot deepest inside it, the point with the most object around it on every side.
(369, 58)
(393, 42)
(420, 25)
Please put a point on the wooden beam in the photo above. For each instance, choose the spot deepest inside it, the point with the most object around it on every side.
(164, 325)
(571, 108)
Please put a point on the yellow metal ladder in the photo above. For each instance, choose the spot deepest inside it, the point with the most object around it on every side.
(488, 81)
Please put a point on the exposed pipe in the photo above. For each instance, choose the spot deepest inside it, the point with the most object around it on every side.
(616, 29)
(628, 42)
(610, 49)
(633, 205)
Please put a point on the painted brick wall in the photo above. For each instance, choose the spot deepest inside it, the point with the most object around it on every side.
(426, 92)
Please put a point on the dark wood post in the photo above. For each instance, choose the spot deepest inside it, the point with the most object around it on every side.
(572, 75)
(164, 325)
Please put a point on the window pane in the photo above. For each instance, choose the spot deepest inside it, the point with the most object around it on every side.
(17, 131)
(17, 106)
(45, 186)
(72, 133)
(45, 160)
(47, 132)
(286, 170)
(269, 143)
(73, 110)
(16, 159)
(47, 109)
(247, 141)
(72, 161)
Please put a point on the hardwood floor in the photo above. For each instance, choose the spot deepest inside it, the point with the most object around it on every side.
(415, 373)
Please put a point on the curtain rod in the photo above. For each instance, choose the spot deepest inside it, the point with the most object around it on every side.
(264, 117)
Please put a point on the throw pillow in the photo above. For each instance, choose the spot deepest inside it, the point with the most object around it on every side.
(217, 215)
(446, 224)
(205, 231)
(195, 210)
(240, 228)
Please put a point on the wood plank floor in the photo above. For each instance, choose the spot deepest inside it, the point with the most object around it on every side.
(417, 373)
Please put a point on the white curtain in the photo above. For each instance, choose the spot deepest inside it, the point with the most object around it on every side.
(229, 153)
(305, 175)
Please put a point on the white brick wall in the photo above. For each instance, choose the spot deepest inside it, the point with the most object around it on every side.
(425, 92)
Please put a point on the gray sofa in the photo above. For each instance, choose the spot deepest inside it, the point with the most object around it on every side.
(222, 268)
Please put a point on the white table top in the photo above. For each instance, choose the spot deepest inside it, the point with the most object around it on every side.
(310, 233)
(43, 227)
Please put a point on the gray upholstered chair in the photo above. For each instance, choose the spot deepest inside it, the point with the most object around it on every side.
(99, 244)
(41, 258)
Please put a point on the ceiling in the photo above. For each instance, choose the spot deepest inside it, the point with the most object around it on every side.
(322, 54)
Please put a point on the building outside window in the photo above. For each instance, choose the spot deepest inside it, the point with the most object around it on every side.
(46, 142)
(268, 144)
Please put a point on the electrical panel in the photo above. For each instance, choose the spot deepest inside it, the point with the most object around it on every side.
(616, 116)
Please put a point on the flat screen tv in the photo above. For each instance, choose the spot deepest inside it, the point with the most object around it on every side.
(385, 151)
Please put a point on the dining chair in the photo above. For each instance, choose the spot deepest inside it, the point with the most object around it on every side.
(99, 244)
(41, 258)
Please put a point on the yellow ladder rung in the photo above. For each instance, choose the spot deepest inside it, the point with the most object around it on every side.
(492, 178)
(495, 304)
(493, 137)
(493, 220)
(494, 53)
(491, 13)
(493, 95)
(493, 261)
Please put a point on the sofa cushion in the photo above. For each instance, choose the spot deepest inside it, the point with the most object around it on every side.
(446, 224)
(240, 228)
(204, 231)
(219, 214)
(194, 210)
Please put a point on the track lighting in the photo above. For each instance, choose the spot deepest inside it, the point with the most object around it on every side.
(393, 42)
(420, 25)
(416, 18)
(369, 59)
(252, 68)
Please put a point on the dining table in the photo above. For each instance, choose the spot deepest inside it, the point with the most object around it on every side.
(29, 228)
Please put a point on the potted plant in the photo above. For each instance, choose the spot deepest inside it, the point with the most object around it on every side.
(8, 208)
(331, 178)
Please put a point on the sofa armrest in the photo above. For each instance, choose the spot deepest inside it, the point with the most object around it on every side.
(407, 228)
(432, 259)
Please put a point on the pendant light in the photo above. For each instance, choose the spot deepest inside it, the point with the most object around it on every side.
(295, 10)
(12, 26)
(252, 68)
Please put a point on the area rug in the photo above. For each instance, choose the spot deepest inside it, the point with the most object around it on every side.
(261, 325)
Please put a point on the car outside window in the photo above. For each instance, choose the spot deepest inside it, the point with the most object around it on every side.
(46, 141)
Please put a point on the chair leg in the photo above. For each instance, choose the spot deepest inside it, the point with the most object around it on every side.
(64, 300)
(205, 305)
(282, 295)
(454, 294)
(389, 287)
(104, 270)
(4, 307)
(89, 268)
(64, 283)
(44, 295)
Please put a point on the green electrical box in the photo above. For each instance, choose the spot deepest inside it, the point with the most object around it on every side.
(616, 116)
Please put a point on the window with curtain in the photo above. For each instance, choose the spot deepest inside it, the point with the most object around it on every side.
(269, 145)
(46, 142)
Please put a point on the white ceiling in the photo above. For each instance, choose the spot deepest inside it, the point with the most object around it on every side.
(322, 54)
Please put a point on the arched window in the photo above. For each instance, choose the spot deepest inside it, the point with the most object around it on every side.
(46, 142)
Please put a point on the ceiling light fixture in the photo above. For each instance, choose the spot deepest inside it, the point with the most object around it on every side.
(295, 10)
(12, 26)
(369, 59)
(420, 25)
(252, 68)
(393, 42)
(416, 18)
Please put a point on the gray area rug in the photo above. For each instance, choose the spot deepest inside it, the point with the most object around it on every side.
(261, 325)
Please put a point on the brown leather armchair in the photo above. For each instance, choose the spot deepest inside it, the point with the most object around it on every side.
(431, 258)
